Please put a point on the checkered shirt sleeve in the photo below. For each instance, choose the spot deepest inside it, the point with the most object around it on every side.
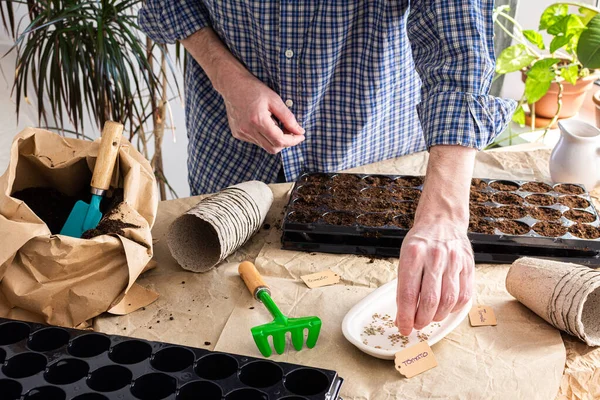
(166, 21)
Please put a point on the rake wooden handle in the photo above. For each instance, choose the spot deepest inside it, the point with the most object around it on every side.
(109, 149)
(251, 277)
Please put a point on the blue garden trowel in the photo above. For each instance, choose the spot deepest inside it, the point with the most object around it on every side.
(86, 216)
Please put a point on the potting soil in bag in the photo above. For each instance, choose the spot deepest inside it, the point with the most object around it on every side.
(58, 279)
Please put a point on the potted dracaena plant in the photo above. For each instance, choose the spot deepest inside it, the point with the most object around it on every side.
(88, 60)
(557, 76)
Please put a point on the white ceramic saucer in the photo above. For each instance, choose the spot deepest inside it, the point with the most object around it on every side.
(371, 321)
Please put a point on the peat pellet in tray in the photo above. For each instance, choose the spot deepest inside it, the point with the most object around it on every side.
(406, 193)
(140, 369)
(304, 217)
(479, 211)
(549, 229)
(345, 191)
(307, 202)
(568, 188)
(545, 213)
(540, 199)
(409, 181)
(312, 189)
(508, 212)
(376, 180)
(574, 201)
(479, 197)
(403, 221)
(478, 184)
(506, 186)
(340, 218)
(507, 198)
(375, 219)
(584, 231)
(315, 178)
(580, 216)
(510, 227)
(536, 187)
(480, 225)
(376, 192)
(341, 203)
(345, 180)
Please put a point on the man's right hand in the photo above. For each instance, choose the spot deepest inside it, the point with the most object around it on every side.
(253, 109)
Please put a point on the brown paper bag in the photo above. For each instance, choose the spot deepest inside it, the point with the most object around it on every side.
(63, 280)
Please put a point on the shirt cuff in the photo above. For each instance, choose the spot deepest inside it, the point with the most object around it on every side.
(170, 21)
(455, 118)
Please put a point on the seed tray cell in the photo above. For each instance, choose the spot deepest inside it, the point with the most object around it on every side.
(51, 363)
(371, 214)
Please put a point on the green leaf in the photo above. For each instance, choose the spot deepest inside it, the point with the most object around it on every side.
(535, 90)
(588, 49)
(513, 58)
(566, 26)
(552, 15)
(535, 37)
(587, 15)
(542, 70)
(558, 42)
(519, 116)
(570, 74)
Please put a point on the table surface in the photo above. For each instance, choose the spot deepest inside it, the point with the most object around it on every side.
(203, 310)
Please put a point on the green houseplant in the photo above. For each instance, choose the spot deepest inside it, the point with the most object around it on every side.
(569, 61)
(89, 60)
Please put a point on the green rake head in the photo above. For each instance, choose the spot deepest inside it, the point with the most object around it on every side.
(281, 325)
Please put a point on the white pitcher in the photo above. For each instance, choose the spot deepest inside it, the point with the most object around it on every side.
(576, 157)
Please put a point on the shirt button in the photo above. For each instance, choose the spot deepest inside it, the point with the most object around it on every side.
(289, 53)
(289, 103)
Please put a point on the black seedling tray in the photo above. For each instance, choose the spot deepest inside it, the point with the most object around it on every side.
(336, 213)
(51, 363)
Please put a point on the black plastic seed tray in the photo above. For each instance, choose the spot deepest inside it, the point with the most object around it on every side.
(50, 363)
(371, 214)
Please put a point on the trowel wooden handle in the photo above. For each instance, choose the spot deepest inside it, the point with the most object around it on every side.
(109, 148)
(254, 282)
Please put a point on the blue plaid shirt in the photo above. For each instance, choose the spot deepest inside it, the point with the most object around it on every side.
(368, 80)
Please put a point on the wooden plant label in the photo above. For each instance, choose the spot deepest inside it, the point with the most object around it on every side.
(323, 278)
(482, 316)
(415, 360)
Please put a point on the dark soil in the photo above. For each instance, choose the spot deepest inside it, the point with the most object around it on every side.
(550, 229)
(340, 218)
(315, 178)
(50, 205)
(376, 192)
(345, 180)
(410, 181)
(544, 213)
(540, 199)
(479, 211)
(507, 198)
(507, 186)
(304, 217)
(375, 205)
(313, 190)
(567, 188)
(344, 191)
(403, 221)
(536, 187)
(375, 219)
(376, 180)
(406, 207)
(509, 212)
(574, 201)
(109, 225)
(479, 197)
(307, 202)
(479, 225)
(406, 194)
(478, 184)
(580, 216)
(584, 231)
(342, 203)
(512, 227)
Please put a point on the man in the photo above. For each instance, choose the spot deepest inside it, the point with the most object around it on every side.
(278, 87)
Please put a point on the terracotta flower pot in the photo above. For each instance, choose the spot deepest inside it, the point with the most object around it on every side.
(597, 102)
(573, 98)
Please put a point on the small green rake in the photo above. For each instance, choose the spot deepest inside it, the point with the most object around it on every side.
(281, 324)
